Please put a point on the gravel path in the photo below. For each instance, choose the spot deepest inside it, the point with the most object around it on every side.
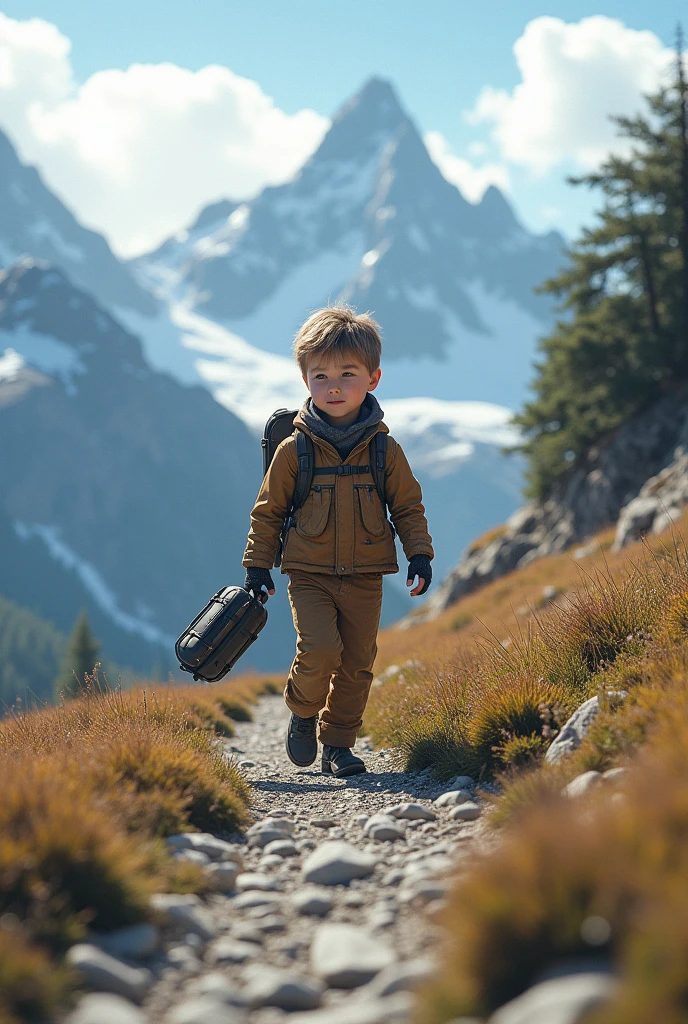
(331, 905)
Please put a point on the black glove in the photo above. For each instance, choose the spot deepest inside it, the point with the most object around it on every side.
(419, 565)
(256, 579)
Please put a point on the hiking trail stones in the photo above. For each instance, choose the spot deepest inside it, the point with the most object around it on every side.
(346, 957)
(337, 883)
(337, 862)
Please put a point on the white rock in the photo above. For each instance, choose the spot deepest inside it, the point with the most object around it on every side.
(271, 861)
(185, 911)
(104, 973)
(268, 986)
(422, 892)
(465, 812)
(192, 857)
(336, 863)
(222, 876)
(411, 811)
(284, 824)
(582, 784)
(453, 797)
(205, 1010)
(346, 957)
(134, 942)
(564, 1000)
(231, 951)
(281, 848)
(215, 986)
(204, 842)
(401, 977)
(101, 1007)
(312, 901)
(573, 732)
(255, 880)
(246, 931)
(614, 774)
(264, 836)
(394, 1009)
(360, 820)
(272, 923)
(393, 877)
(184, 958)
(382, 827)
(462, 782)
(254, 898)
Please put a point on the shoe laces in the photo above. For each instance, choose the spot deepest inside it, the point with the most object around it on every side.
(304, 725)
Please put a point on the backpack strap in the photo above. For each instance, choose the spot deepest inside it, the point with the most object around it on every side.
(305, 452)
(378, 462)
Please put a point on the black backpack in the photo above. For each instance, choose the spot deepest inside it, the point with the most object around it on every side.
(280, 426)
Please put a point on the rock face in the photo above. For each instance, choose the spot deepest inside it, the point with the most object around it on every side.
(638, 477)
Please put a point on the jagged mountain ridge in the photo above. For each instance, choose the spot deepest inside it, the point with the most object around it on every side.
(35, 222)
(371, 219)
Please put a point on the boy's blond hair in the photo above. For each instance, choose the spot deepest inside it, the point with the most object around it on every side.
(337, 330)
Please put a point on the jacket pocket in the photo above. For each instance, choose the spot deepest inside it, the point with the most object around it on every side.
(370, 508)
(311, 519)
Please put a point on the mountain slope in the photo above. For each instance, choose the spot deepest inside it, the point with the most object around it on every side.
(136, 486)
(34, 222)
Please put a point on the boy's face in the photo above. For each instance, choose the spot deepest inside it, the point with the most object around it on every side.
(338, 387)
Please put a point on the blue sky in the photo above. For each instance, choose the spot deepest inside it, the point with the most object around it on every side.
(442, 55)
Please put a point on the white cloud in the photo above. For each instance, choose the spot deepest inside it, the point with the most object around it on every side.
(574, 76)
(137, 152)
(471, 180)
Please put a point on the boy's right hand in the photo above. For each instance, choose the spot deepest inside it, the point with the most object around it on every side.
(256, 579)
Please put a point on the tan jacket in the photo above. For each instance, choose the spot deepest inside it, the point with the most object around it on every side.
(342, 527)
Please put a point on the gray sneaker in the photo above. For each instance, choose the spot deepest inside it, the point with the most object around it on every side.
(301, 741)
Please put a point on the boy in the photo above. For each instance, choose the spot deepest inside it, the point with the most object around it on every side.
(340, 543)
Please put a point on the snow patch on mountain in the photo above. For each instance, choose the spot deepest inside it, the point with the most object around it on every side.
(102, 594)
(11, 364)
(439, 436)
(309, 286)
(40, 351)
(477, 365)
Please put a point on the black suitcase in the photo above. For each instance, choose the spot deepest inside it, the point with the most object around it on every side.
(220, 634)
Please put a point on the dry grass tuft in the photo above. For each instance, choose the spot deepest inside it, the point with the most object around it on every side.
(31, 988)
(89, 789)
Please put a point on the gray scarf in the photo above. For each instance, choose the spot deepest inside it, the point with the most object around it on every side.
(344, 439)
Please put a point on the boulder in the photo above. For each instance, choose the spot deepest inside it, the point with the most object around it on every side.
(268, 986)
(104, 973)
(99, 1007)
(582, 784)
(337, 863)
(346, 957)
(564, 1000)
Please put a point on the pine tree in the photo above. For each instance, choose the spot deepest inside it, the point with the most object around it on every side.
(79, 660)
(624, 337)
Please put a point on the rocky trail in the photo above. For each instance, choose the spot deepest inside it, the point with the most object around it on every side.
(326, 912)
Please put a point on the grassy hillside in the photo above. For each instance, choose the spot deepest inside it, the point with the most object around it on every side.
(90, 788)
(597, 878)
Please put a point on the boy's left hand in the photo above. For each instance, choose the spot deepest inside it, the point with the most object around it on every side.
(419, 565)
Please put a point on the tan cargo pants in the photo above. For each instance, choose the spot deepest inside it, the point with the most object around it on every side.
(336, 620)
